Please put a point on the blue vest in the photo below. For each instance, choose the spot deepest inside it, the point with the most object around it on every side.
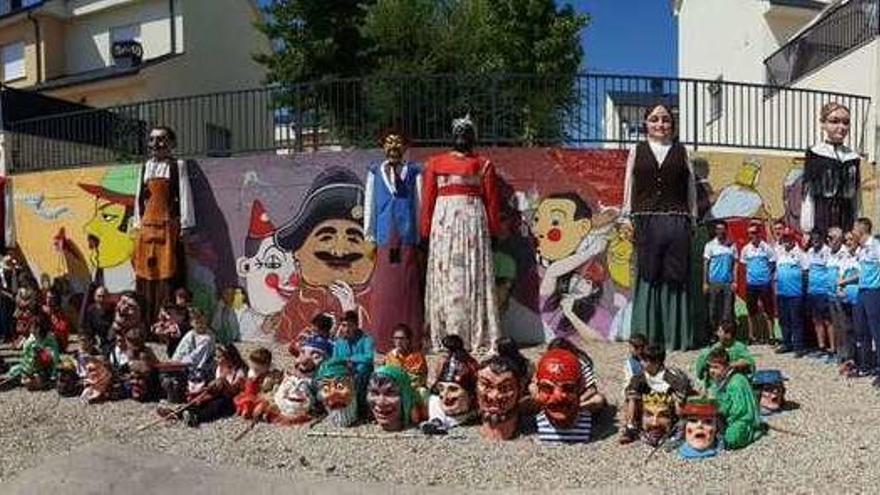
(395, 212)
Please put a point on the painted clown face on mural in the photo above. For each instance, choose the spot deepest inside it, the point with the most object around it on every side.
(269, 271)
(326, 236)
(560, 224)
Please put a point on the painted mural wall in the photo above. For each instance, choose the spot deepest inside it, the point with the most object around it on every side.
(74, 223)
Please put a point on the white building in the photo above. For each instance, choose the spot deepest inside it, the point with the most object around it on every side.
(800, 46)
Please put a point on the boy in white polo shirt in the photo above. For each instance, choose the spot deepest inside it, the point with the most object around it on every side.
(791, 265)
(719, 275)
(760, 260)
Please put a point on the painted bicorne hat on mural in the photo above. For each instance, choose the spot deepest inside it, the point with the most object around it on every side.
(336, 193)
(119, 185)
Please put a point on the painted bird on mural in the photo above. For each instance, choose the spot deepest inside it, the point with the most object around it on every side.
(37, 203)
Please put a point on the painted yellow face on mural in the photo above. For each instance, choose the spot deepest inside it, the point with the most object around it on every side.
(335, 250)
(558, 232)
(108, 237)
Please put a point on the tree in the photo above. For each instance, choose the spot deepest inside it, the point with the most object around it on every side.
(513, 63)
(314, 39)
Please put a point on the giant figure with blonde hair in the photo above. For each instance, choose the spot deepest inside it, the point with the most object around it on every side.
(831, 175)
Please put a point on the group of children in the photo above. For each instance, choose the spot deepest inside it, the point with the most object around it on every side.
(824, 285)
(725, 374)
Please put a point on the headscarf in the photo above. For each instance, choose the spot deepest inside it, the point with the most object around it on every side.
(559, 365)
(320, 343)
(333, 368)
(408, 397)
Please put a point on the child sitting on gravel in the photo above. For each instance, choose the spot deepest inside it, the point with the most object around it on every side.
(736, 401)
(196, 348)
(261, 379)
(216, 399)
(654, 378)
(411, 360)
(740, 358)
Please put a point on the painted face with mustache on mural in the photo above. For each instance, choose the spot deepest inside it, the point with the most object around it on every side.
(335, 250)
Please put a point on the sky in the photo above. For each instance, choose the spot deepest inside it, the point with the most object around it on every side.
(630, 37)
(627, 36)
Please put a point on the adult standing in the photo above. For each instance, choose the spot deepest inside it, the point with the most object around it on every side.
(459, 214)
(660, 198)
(831, 184)
(391, 221)
(164, 212)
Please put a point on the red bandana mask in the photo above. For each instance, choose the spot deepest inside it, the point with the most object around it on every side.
(558, 387)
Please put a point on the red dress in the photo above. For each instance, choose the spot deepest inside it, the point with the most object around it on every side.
(247, 400)
(460, 213)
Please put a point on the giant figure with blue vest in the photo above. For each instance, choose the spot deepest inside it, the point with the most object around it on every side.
(391, 213)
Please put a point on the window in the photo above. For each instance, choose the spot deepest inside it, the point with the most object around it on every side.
(13, 61)
(130, 32)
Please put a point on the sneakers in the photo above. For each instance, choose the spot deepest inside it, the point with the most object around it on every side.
(190, 418)
(783, 350)
(629, 435)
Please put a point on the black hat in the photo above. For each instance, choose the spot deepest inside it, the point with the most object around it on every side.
(336, 193)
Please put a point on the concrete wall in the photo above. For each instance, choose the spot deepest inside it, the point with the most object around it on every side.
(53, 225)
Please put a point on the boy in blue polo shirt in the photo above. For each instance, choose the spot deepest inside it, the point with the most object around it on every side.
(867, 310)
(842, 266)
(760, 260)
(818, 292)
(790, 266)
(719, 282)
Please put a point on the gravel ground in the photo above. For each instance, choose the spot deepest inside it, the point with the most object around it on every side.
(838, 416)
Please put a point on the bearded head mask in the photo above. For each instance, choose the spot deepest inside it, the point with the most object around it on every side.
(98, 380)
(391, 398)
(336, 391)
(558, 386)
(295, 399)
(701, 429)
(141, 382)
(658, 417)
(770, 391)
(500, 383)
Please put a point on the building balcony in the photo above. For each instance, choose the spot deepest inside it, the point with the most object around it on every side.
(841, 28)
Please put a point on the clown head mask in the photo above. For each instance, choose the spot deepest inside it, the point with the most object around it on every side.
(336, 392)
(701, 429)
(499, 389)
(558, 386)
(391, 398)
(295, 400)
(658, 417)
(770, 391)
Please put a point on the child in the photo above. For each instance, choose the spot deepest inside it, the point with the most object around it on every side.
(655, 377)
(866, 314)
(719, 284)
(760, 260)
(633, 365)
(736, 401)
(141, 381)
(322, 325)
(196, 348)
(216, 400)
(848, 285)
(258, 381)
(818, 257)
(167, 328)
(841, 266)
(790, 266)
(741, 359)
(412, 361)
(355, 346)
(57, 319)
(39, 357)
